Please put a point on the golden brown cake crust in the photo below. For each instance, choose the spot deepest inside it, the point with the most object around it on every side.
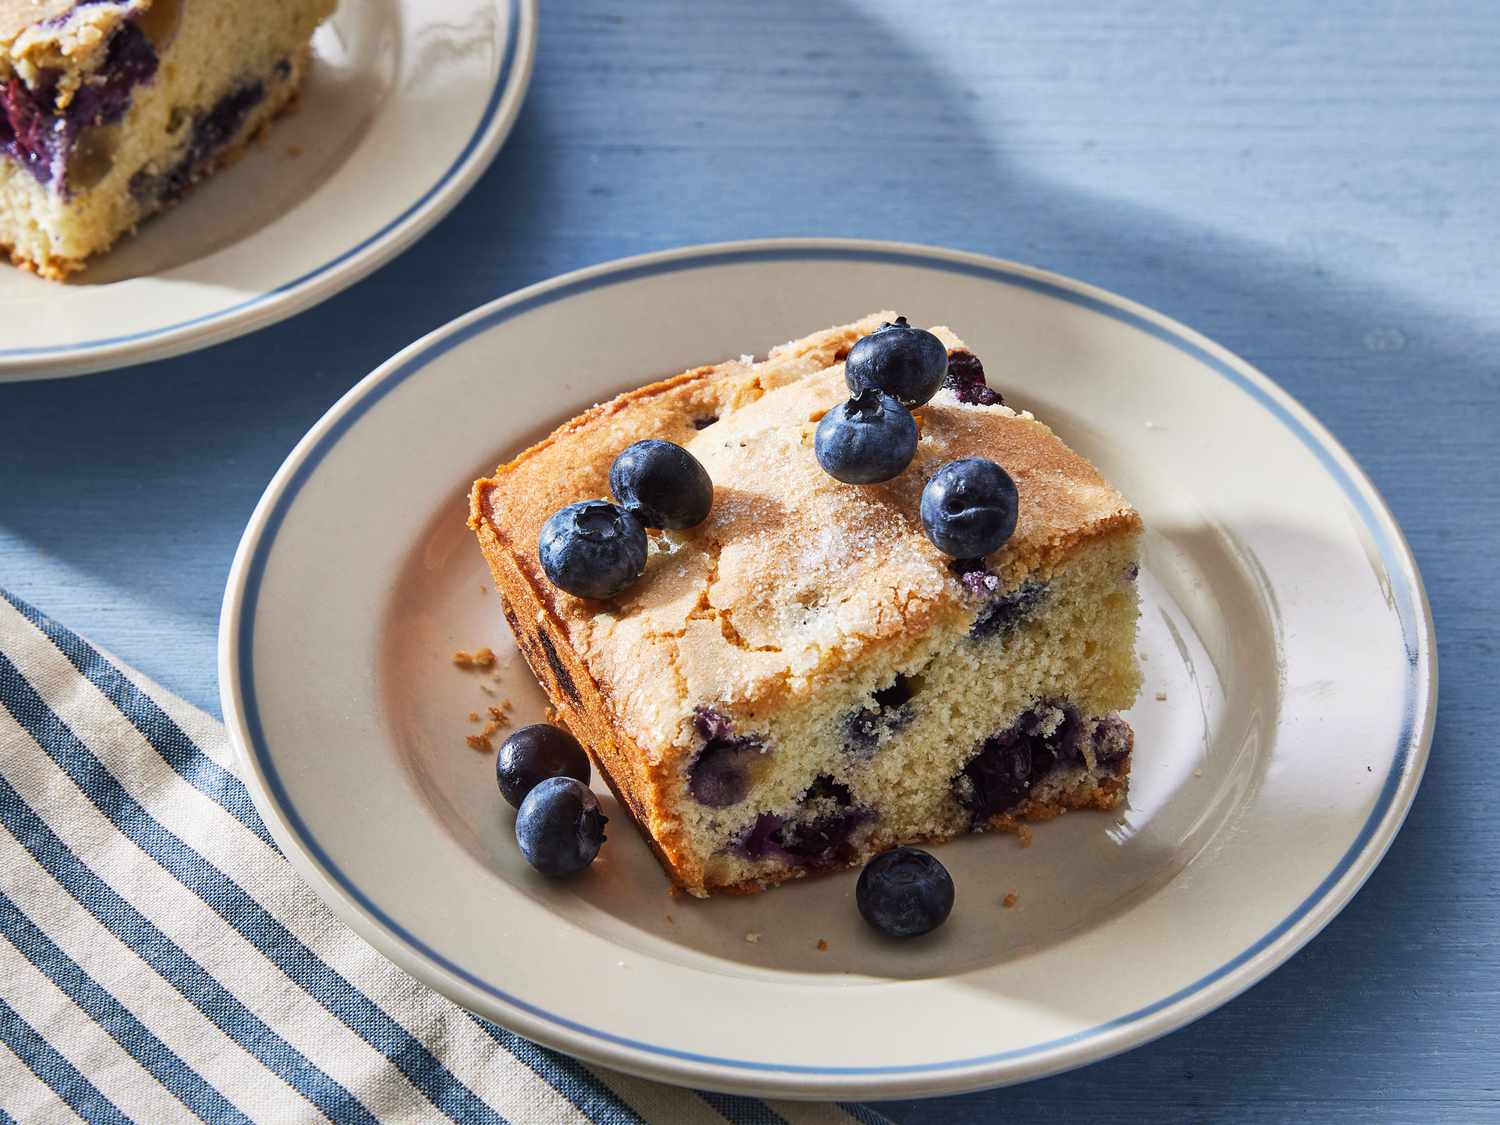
(793, 577)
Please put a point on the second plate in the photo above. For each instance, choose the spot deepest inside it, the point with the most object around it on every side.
(406, 103)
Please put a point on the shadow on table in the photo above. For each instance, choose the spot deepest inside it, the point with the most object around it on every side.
(788, 119)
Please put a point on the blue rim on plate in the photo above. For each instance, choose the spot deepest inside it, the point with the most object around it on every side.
(1409, 754)
(521, 18)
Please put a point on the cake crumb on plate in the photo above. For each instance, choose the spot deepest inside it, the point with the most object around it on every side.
(822, 946)
(499, 718)
(479, 658)
(752, 937)
(1010, 900)
(1161, 697)
(480, 742)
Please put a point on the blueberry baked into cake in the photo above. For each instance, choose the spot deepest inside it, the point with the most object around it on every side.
(111, 109)
(821, 644)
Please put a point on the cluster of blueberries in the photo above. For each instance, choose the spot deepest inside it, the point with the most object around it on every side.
(969, 506)
(597, 549)
(544, 773)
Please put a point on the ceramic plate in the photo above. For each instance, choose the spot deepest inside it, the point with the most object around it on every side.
(406, 104)
(1288, 705)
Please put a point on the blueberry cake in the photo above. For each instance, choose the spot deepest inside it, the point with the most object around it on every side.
(111, 109)
(803, 680)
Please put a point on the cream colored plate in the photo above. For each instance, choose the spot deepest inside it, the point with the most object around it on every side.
(407, 103)
(1290, 685)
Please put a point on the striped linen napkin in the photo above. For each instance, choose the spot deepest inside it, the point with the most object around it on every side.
(162, 961)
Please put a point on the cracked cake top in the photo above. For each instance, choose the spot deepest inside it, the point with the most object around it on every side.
(794, 574)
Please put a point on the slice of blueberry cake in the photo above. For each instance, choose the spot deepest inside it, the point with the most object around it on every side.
(803, 679)
(111, 109)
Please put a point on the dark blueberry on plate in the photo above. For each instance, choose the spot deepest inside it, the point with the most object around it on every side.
(905, 362)
(560, 826)
(593, 550)
(533, 754)
(869, 439)
(904, 892)
(969, 508)
(661, 484)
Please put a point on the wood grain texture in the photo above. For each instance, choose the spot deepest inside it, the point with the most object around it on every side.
(1311, 185)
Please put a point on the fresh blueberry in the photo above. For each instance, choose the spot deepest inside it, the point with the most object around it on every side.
(868, 439)
(661, 484)
(969, 508)
(560, 826)
(594, 549)
(905, 362)
(533, 754)
(904, 892)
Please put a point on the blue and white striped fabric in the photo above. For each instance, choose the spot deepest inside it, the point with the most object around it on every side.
(161, 962)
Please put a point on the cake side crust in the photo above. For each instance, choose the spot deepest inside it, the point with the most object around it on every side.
(582, 704)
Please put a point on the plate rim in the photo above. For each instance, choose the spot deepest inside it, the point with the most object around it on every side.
(1132, 1029)
(352, 264)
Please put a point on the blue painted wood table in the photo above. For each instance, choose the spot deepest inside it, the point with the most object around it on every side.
(1313, 185)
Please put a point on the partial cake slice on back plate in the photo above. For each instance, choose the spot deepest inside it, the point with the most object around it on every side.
(111, 109)
(804, 680)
